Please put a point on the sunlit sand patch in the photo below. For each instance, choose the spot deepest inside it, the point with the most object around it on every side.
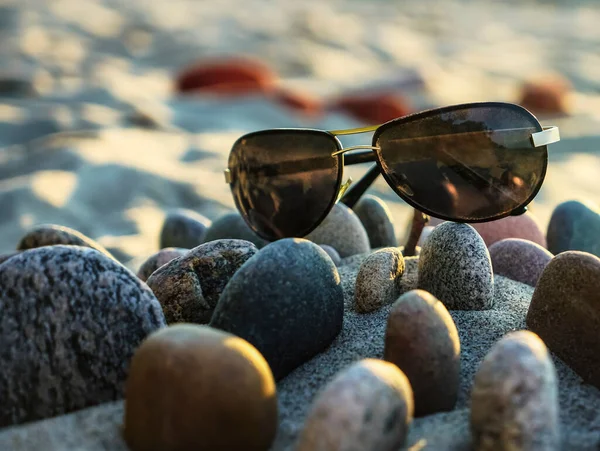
(92, 17)
(54, 187)
(9, 113)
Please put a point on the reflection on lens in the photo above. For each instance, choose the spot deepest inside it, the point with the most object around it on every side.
(467, 163)
(284, 181)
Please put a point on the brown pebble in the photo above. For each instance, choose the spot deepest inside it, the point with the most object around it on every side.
(368, 406)
(158, 259)
(194, 387)
(564, 311)
(432, 366)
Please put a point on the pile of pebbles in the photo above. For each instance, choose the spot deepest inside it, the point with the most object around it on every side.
(487, 339)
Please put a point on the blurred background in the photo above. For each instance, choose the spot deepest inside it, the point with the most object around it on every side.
(110, 114)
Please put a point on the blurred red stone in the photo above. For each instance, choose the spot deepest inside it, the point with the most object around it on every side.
(546, 95)
(375, 108)
(301, 102)
(235, 75)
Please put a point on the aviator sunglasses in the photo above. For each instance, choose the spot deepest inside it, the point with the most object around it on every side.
(470, 163)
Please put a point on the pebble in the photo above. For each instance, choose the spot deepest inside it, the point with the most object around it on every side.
(343, 231)
(546, 95)
(432, 367)
(377, 220)
(52, 234)
(368, 406)
(287, 301)
(71, 320)
(232, 75)
(373, 108)
(514, 400)
(524, 226)
(183, 228)
(158, 259)
(519, 260)
(455, 267)
(189, 287)
(4, 257)
(377, 279)
(424, 235)
(233, 226)
(574, 226)
(563, 311)
(214, 390)
(333, 254)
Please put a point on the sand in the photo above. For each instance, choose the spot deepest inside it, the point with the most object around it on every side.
(73, 153)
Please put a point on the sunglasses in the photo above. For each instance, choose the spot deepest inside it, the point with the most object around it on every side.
(471, 163)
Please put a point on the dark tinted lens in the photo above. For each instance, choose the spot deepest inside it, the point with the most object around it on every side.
(470, 163)
(284, 181)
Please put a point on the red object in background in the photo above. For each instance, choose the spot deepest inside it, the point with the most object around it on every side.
(234, 76)
(375, 108)
(546, 95)
(301, 102)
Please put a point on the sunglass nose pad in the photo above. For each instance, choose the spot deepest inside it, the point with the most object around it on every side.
(343, 189)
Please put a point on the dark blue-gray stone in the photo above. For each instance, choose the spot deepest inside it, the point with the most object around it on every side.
(287, 301)
(574, 226)
(455, 266)
(70, 321)
(377, 219)
(189, 287)
(184, 229)
(233, 226)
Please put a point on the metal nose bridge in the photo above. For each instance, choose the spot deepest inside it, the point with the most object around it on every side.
(347, 149)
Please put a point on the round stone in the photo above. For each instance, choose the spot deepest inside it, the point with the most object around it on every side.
(71, 320)
(193, 387)
(368, 406)
(377, 279)
(455, 267)
(233, 226)
(424, 235)
(343, 231)
(432, 367)
(158, 259)
(52, 234)
(514, 401)
(287, 300)
(333, 254)
(377, 220)
(183, 228)
(4, 257)
(520, 260)
(575, 226)
(563, 311)
(189, 287)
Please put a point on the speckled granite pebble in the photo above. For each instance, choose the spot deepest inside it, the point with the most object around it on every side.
(455, 267)
(71, 319)
(343, 231)
(51, 234)
(233, 226)
(189, 287)
(183, 228)
(377, 220)
(368, 406)
(158, 259)
(564, 311)
(520, 260)
(4, 257)
(514, 402)
(377, 280)
(422, 340)
(575, 226)
(333, 254)
(286, 300)
(213, 390)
